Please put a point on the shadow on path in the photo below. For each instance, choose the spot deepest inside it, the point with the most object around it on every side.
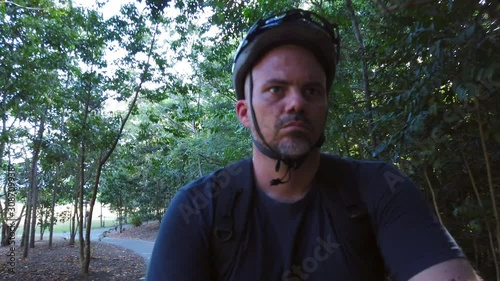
(142, 247)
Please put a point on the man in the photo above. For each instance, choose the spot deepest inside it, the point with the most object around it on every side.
(282, 74)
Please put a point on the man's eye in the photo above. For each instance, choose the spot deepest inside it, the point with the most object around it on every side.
(276, 90)
(312, 92)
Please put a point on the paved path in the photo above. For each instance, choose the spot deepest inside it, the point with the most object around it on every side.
(95, 233)
(144, 248)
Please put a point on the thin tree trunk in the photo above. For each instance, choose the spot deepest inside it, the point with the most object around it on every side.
(30, 214)
(195, 132)
(490, 182)
(74, 213)
(34, 185)
(53, 205)
(56, 185)
(100, 223)
(158, 199)
(366, 82)
(103, 160)
(492, 247)
(346, 144)
(120, 212)
(42, 228)
(7, 229)
(89, 218)
(4, 215)
(434, 201)
(34, 202)
(19, 218)
(81, 183)
(488, 228)
(80, 207)
(26, 227)
(476, 250)
(5, 234)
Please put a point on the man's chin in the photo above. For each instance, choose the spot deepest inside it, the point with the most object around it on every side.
(294, 149)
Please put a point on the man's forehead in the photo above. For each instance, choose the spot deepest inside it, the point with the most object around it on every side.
(288, 52)
(289, 62)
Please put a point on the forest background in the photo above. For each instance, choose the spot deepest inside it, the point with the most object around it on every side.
(129, 107)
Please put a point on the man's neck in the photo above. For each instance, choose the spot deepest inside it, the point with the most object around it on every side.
(299, 180)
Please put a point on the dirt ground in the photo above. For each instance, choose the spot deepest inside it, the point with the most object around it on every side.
(147, 231)
(108, 262)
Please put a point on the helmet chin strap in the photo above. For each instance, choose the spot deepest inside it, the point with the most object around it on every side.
(267, 150)
(295, 162)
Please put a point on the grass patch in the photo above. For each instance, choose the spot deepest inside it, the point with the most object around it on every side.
(64, 227)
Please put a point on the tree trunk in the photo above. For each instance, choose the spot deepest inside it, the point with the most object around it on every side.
(4, 240)
(100, 222)
(159, 202)
(5, 234)
(54, 191)
(81, 182)
(30, 198)
(490, 183)
(42, 228)
(72, 225)
(366, 82)
(433, 195)
(195, 132)
(34, 202)
(53, 205)
(346, 144)
(34, 169)
(89, 218)
(80, 209)
(6, 229)
(85, 256)
(4, 135)
(488, 228)
(26, 227)
(493, 253)
(120, 212)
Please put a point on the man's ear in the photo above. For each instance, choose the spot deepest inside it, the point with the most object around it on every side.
(243, 112)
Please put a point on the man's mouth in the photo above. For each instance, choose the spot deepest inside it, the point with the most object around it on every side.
(296, 124)
(294, 121)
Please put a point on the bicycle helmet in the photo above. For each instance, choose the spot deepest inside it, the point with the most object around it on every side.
(296, 26)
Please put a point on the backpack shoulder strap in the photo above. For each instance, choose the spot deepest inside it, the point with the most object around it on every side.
(343, 178)
(232, 199)
(350, 217)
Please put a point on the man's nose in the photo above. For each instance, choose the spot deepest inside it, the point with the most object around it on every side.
(295, 100)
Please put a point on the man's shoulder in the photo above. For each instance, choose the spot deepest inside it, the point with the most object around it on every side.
(371, 176)
(356, 164)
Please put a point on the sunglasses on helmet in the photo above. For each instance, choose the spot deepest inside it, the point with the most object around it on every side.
(295, 15)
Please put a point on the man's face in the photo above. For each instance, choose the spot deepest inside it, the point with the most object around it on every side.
(289, 99)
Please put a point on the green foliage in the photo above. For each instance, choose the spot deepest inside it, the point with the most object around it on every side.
(136, 221)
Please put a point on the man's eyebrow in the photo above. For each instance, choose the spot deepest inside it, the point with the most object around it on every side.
(285, 82)
(276, 81)
(315, 84)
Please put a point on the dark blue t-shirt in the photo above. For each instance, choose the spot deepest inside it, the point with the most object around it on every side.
(297, 241)
(290, 241)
